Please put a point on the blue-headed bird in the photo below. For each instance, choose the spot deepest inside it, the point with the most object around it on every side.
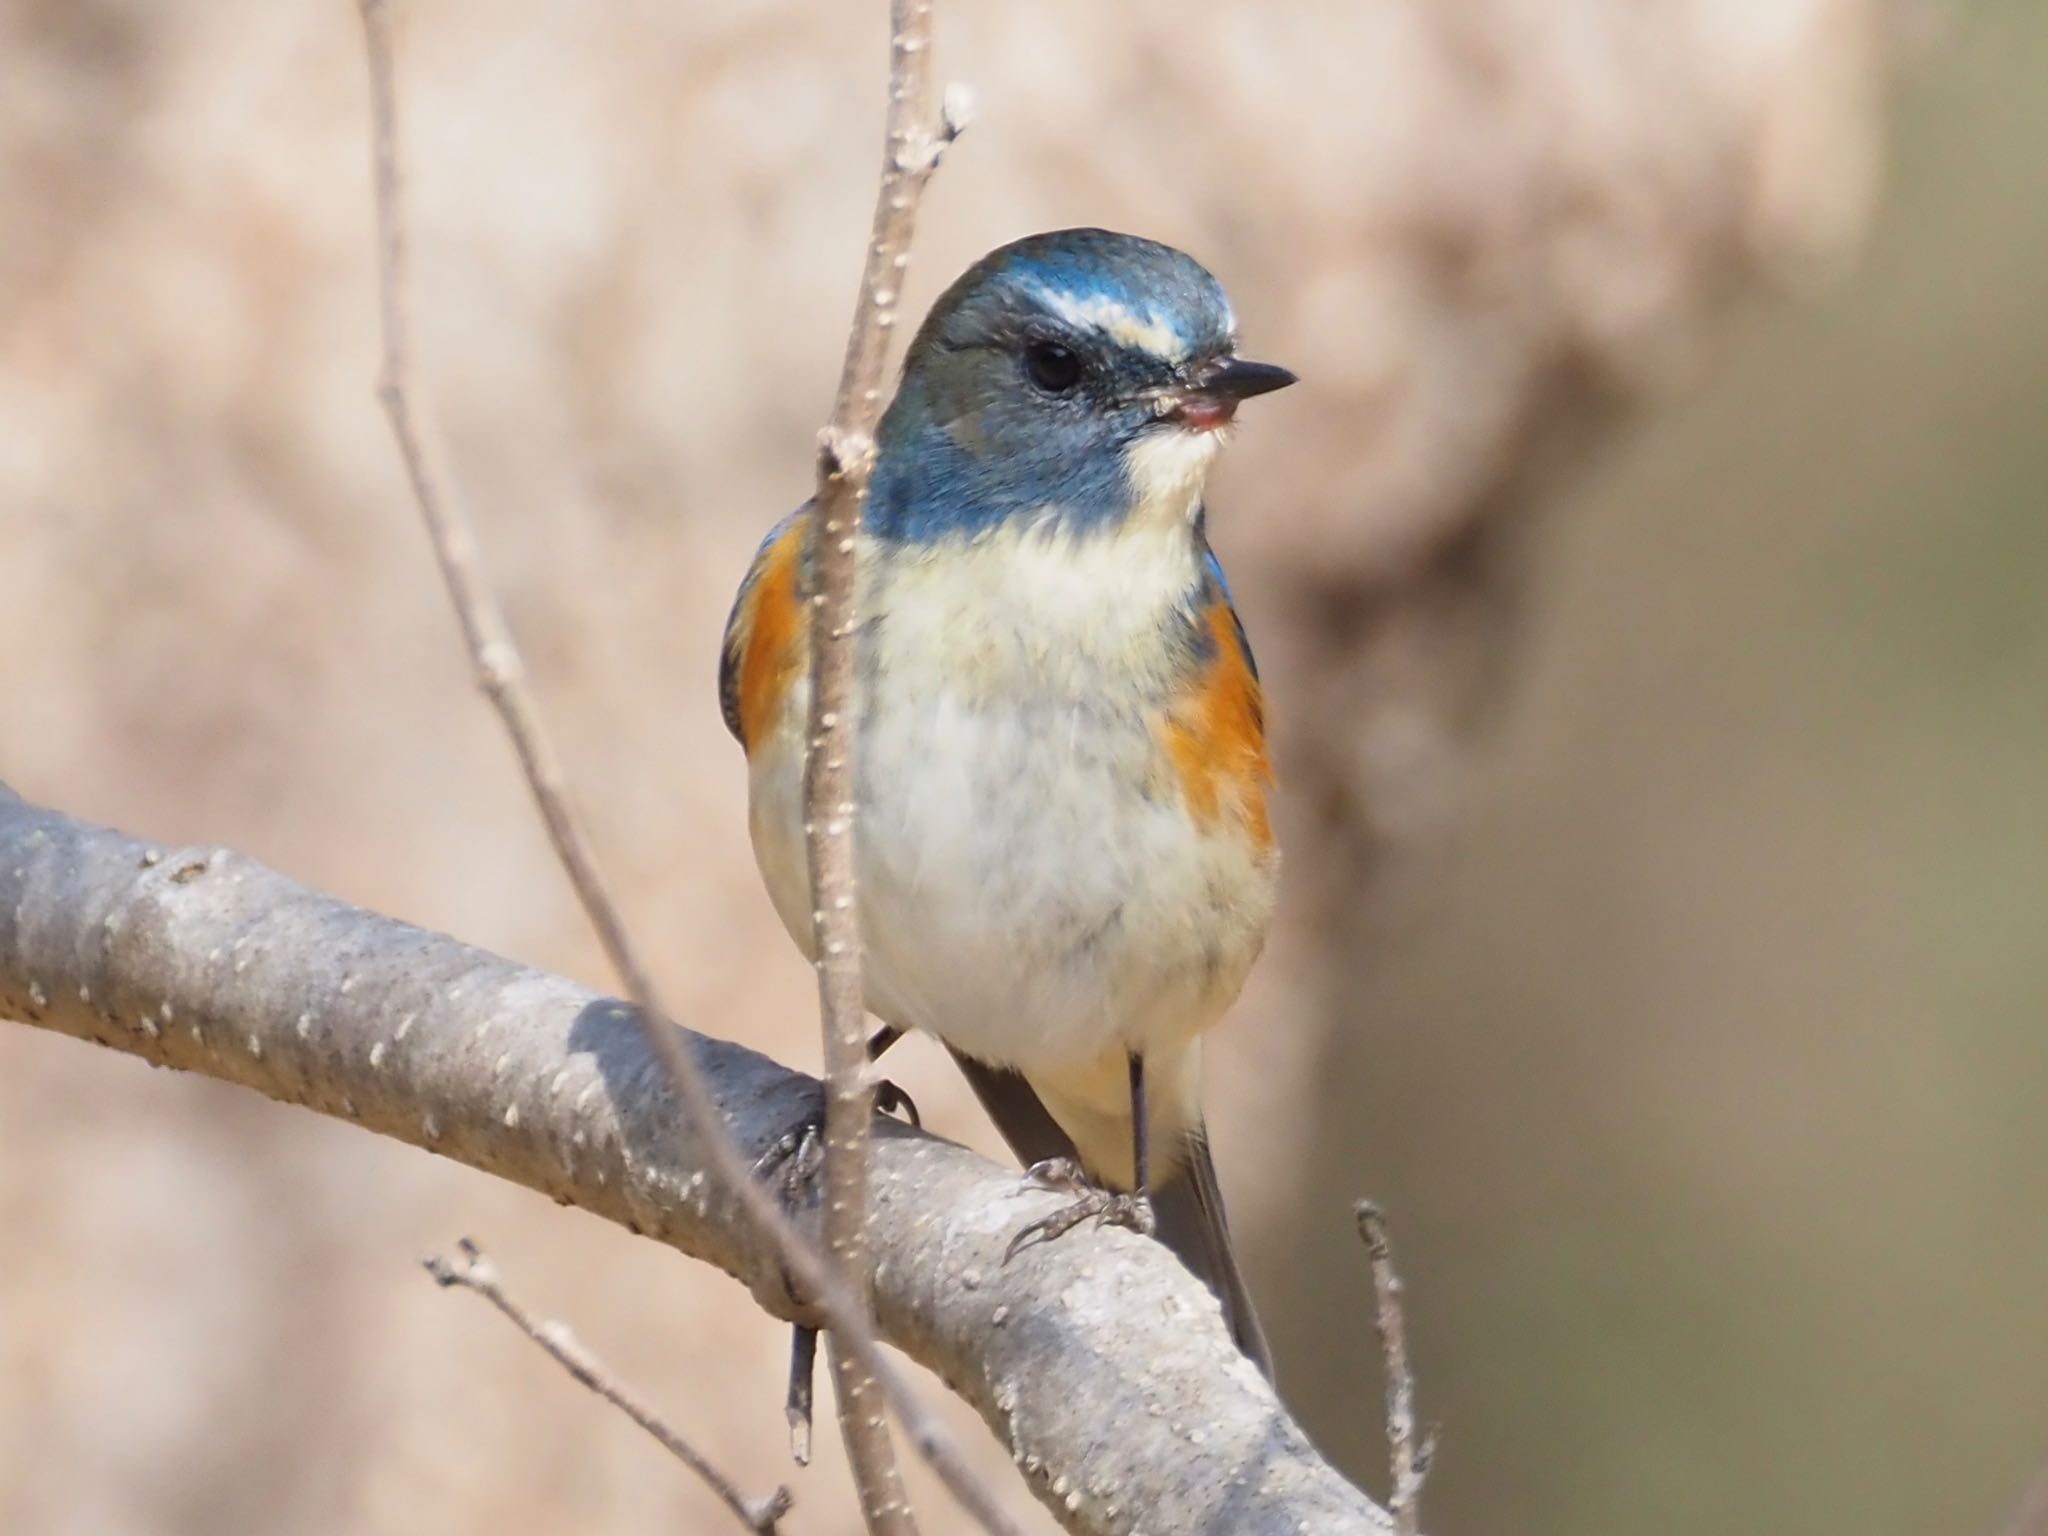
(1065, 860)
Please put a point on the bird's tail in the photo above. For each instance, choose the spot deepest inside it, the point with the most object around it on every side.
(1189, 1208)
(1188, 1205)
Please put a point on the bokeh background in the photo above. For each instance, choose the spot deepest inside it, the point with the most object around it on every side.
(1651, 580)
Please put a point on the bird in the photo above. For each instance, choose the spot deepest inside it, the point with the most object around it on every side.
(1064, 850)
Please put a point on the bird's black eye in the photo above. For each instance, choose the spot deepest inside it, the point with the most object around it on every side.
(1053, 367)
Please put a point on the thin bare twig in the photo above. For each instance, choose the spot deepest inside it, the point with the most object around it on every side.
(911, 150)
(1409, 1460)
(501, 676)
(474, 1271)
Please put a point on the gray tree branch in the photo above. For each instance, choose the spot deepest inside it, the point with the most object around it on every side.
(1098, 1361)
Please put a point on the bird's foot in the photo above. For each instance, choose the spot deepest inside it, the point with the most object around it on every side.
(1105, 1207)
(791, 1166)
(892, 1100)
(791, 1169)
(793, 1163)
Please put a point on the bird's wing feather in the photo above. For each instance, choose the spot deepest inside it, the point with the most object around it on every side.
(1220, 586)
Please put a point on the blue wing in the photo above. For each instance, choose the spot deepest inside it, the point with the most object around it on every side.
(1221, 585)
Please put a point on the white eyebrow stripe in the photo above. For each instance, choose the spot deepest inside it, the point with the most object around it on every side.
(1100, 312)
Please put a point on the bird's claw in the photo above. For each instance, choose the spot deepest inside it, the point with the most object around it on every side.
(889, 1099)
(1106, 1207)
(793, 1164)
(799, 1154)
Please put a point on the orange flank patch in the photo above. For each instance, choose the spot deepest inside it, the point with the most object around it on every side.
(775, 636)
(1216, 737)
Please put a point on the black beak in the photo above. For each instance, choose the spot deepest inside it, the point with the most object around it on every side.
(1210, 400)
(1238, 379)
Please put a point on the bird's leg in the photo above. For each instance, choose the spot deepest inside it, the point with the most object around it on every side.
(804, 1137)
(796, 1408)
(1116, 1208)
(792, 1166)
(1141, 1143)
(794, 1161)
(889, 1098)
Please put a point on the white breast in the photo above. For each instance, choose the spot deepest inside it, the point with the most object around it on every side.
(1032, 888)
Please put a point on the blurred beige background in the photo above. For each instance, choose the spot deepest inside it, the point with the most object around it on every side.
(1651, 579)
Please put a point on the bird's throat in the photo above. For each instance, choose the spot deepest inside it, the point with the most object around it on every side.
(1167, 469)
